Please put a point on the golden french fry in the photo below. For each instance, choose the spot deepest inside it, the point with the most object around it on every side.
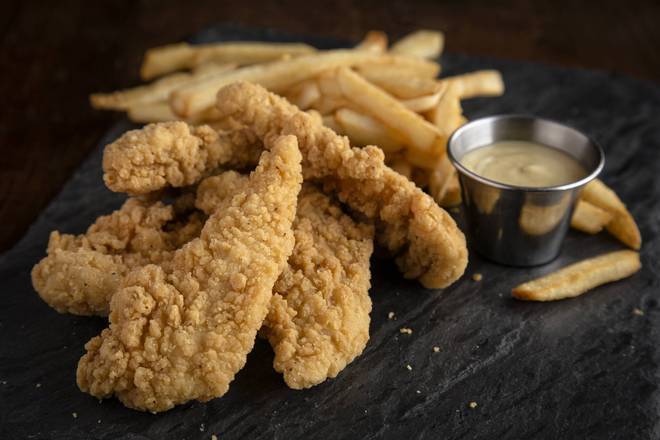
(440, 178)
(210, 68)
(304, 95)
(589, 218)
(402, 86)
(423, 103)
(166, 59)
(422, 43)
(416, 133)
(479, 83)
(402, 72)
(150, 93)
(151, 112)
(278, 76)
(328, 84)
(580, 277)
(622, 226)
(447, 114)
(155, 92)
(329, 104)
(374, 41)
(365, 130)
(452, 193)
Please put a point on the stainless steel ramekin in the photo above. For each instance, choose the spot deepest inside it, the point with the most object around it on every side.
(515, 225)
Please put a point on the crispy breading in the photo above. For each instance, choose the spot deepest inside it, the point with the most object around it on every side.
(174, 154)
(319, 315)
(81, 273)
(424, 238)
(183, 333)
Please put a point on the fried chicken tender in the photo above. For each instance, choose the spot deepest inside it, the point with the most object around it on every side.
(319, 315)
(174, 154)
(182, 334)
(424, 238)
(81, 273)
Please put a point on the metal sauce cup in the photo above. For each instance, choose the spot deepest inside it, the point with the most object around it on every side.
(515, 225)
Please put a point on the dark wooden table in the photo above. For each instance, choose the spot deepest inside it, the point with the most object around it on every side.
(53, 54)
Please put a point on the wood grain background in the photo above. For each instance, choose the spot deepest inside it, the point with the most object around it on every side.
(53, 54)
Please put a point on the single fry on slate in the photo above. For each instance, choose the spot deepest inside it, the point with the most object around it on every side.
(622, 226)
(580, 277)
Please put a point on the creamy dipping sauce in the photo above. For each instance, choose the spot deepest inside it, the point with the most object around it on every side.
(522, 163)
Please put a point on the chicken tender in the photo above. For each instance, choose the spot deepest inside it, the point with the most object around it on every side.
(174, 154)
(182, 333)
(81, 273)
(424, 238)
(319, 315)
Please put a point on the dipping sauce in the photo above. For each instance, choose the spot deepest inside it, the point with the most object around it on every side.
(523, 163)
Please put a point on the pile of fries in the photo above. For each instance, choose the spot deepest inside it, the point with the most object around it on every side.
(374, 94)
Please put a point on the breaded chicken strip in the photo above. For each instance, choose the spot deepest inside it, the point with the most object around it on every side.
(424, 238)
(81, 273)
(183, 333)
(174, 154)
(319, 315)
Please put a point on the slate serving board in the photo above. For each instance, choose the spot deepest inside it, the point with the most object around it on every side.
(581, 368)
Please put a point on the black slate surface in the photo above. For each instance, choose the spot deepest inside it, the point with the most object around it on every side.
(581, 368)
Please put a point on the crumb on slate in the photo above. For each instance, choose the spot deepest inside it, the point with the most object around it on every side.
(75, 415)
(98, 421)
(436, 349)
(418, 392)
(408, 367)
(472, 405)
(202, 427)
(214, 437)
(391, 315)
(477, 277)
(638, 312)
(38, 385)
(406, 330)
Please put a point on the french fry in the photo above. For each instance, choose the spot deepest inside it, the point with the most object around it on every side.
(479, 83)
(578, 278)
(365, 130)
(278, 76)
(329, 104)
(155, 92)
(305, 94)
(374, 42)
(452, 193)
(447, 114)
(440, 179)
(150, 93)
(589, 218)
(622, 226)
(412, 129)
(423, 44)
(207, 69)
(404, 87)
(173, 57)
(423, 103)
(400, 69)
(151, 112)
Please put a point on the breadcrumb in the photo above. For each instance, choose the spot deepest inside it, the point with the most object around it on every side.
(214, 437)
(477, 277)
(406, 330)
(391, 315)
(75, 415)
(472, 405)
(38, 385)
(436, 349)
(638, 312)
(408, 367)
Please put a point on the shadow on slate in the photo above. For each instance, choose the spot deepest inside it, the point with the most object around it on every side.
(582, 368)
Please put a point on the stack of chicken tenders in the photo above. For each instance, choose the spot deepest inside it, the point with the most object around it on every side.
(205, 254)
